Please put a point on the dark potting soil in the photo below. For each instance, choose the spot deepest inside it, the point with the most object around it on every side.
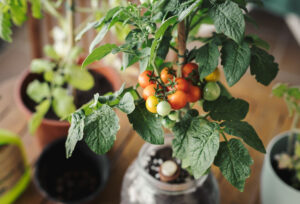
(285, 175)
(160, 156)
(101, 86)
(68, 180)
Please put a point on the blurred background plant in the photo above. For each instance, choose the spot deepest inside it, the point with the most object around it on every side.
(291, 158)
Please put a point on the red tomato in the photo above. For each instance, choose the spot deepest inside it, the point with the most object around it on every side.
(181, 84)
(167, 74)
(149, 91)
(189, 68)
(144, 79)
(177, 100)
(194, 94)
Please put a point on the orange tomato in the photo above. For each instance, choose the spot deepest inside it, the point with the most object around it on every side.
(194, 94)
(149, 91)
(167, 74)
(189, 68)
(181, 84)
(144, 78)
(177, 100)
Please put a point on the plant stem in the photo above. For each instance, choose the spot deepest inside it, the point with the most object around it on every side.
(224, 136)
(292, 136)
(181, 46)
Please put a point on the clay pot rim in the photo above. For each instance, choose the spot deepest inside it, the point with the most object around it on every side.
(116, 84)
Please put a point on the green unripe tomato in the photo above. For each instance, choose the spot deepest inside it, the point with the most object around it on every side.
(163, 108)
(211, 91)
(174, 115)
(167, 123)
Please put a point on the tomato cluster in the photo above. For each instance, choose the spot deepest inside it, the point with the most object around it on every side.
(168, 92)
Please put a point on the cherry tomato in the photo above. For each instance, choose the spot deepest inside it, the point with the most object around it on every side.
(174, 115)
(189, 68)
(194, 94)
(211, 91)
(151, 104)
(149, 91)
(214, 76)
(144, 79)
(167, 123)
(163, 108)
(167, 74)
(177, 100)
(181, 84)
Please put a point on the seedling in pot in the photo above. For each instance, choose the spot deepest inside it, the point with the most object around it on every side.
(290, 159)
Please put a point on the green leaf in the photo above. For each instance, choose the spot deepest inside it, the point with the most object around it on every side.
(41, 65)
(207, 58)
(147, 125)
(75, 132)
(37, 90)
(79, 78)
(180, 141)
(226, 109)
(5, 26)
(62, 104)
(187, 11)
(144, 59)
(100, 130)
(262, 65)
(279, 89)
(18, 9)
(87, 28)
(224, 91)
(245, 131)
(128, 60)
(235, 60)
(36, 8)
(50, 52)
(203, 145)
(228, 19)
(294, 92)
(234, 161)
(99, 37)
(126, 103)
(254, 39)
(98, 54)
(38, 116)
(159, 34)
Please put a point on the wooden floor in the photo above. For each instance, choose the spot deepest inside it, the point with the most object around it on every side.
(267, 114)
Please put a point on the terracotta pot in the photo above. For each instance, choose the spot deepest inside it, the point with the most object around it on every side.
(50, 129)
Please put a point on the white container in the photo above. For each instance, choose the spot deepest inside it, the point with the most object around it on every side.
(273, 189)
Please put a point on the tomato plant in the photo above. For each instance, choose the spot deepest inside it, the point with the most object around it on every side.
(197, 140)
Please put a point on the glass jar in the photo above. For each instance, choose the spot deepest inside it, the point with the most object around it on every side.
(139, 187)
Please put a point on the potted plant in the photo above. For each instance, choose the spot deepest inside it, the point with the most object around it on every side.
(168, 94)
(280, 181)
(56, 85)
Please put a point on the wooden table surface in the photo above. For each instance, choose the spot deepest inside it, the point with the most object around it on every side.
(267, 114)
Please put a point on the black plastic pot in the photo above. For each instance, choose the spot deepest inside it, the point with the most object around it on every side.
(75, 180)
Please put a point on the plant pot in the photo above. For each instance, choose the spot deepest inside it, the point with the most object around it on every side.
(139, 186)
(78, 179)
(52, 129)
(273, 189)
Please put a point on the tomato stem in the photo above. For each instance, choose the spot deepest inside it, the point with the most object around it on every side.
(181, 46)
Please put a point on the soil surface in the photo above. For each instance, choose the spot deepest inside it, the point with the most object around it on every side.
(161, 155)
(286, 175)
(101, 86)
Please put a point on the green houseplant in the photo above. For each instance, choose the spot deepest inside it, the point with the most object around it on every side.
(196, 137)
(281, 173)
(55, 80)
